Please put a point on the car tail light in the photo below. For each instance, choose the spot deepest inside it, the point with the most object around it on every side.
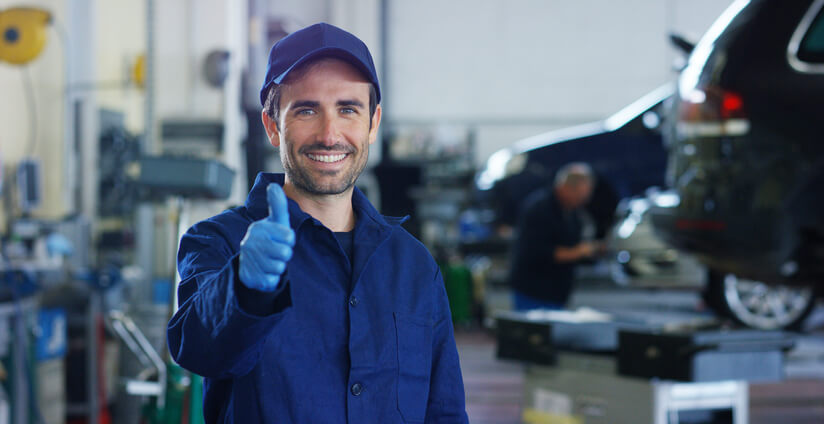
(712, 112)
(731, 106)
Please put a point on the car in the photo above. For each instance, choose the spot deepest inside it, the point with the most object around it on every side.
(745, 167)
(625, 151)
(641, 259)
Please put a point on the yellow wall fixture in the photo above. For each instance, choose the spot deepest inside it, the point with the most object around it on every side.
(138, 73)
(22, 34)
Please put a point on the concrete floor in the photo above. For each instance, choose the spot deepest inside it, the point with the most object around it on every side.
(494, 388)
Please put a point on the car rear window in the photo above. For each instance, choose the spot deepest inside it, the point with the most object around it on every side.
(811, 48)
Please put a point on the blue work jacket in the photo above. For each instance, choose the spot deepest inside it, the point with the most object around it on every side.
(339, 341)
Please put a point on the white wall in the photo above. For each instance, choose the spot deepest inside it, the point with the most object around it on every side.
(517, 68)
(46, 74)
(186, 31)
(121, 29)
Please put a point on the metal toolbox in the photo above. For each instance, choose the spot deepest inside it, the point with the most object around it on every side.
(524, 340)
(534, 336)
(703, 355)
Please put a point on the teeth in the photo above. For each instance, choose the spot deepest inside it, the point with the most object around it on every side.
(327, 158)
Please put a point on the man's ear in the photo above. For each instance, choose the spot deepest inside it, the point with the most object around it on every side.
(376, 122)
(271, 128)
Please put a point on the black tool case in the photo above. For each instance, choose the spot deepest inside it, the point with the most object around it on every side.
(524, 340)
(534, 336)
(714, 355)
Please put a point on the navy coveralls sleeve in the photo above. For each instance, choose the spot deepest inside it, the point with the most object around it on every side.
(363, 341)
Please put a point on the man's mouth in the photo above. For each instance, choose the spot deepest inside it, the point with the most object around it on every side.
(326, 158)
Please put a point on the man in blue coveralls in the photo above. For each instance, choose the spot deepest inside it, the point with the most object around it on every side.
(305, 305)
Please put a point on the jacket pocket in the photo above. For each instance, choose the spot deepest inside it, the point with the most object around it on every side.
(414, 365)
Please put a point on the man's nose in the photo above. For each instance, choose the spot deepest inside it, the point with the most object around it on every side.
(330, 131)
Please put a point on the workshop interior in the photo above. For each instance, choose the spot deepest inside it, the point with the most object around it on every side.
(699, 122)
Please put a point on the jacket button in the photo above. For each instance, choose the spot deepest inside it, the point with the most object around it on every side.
(354, 301)
(357, 389)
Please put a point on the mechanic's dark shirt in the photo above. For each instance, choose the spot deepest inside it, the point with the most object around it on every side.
(346, 239)
(544, 225)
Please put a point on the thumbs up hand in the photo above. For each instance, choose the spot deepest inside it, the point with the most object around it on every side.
(267, 245)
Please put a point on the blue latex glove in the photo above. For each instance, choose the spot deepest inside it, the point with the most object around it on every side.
(267, 245)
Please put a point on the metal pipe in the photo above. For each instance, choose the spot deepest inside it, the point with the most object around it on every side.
(143, 349)
(92, 370)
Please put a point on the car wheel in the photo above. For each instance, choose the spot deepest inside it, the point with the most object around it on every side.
(758, 305)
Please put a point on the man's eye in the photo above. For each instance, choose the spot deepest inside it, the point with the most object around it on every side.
(348, 110)
(305, 112)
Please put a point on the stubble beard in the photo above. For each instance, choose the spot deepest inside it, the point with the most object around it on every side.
(302, 179)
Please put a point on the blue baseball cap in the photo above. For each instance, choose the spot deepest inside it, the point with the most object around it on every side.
(318, 40)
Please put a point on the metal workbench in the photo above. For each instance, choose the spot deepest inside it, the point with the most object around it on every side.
(578, 372)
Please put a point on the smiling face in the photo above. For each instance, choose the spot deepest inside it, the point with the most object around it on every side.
(324, 129)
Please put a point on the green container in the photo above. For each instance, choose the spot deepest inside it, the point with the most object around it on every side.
(458, 281)
(184, 399)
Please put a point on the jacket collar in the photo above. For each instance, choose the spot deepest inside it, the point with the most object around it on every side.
(371, 228)
(258, 207)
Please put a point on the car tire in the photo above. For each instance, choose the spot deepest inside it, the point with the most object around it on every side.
(756, 304)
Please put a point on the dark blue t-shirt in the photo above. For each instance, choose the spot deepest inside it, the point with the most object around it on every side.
(347, 242)
(543, 226)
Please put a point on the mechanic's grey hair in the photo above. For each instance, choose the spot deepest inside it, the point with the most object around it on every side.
(573, 174)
